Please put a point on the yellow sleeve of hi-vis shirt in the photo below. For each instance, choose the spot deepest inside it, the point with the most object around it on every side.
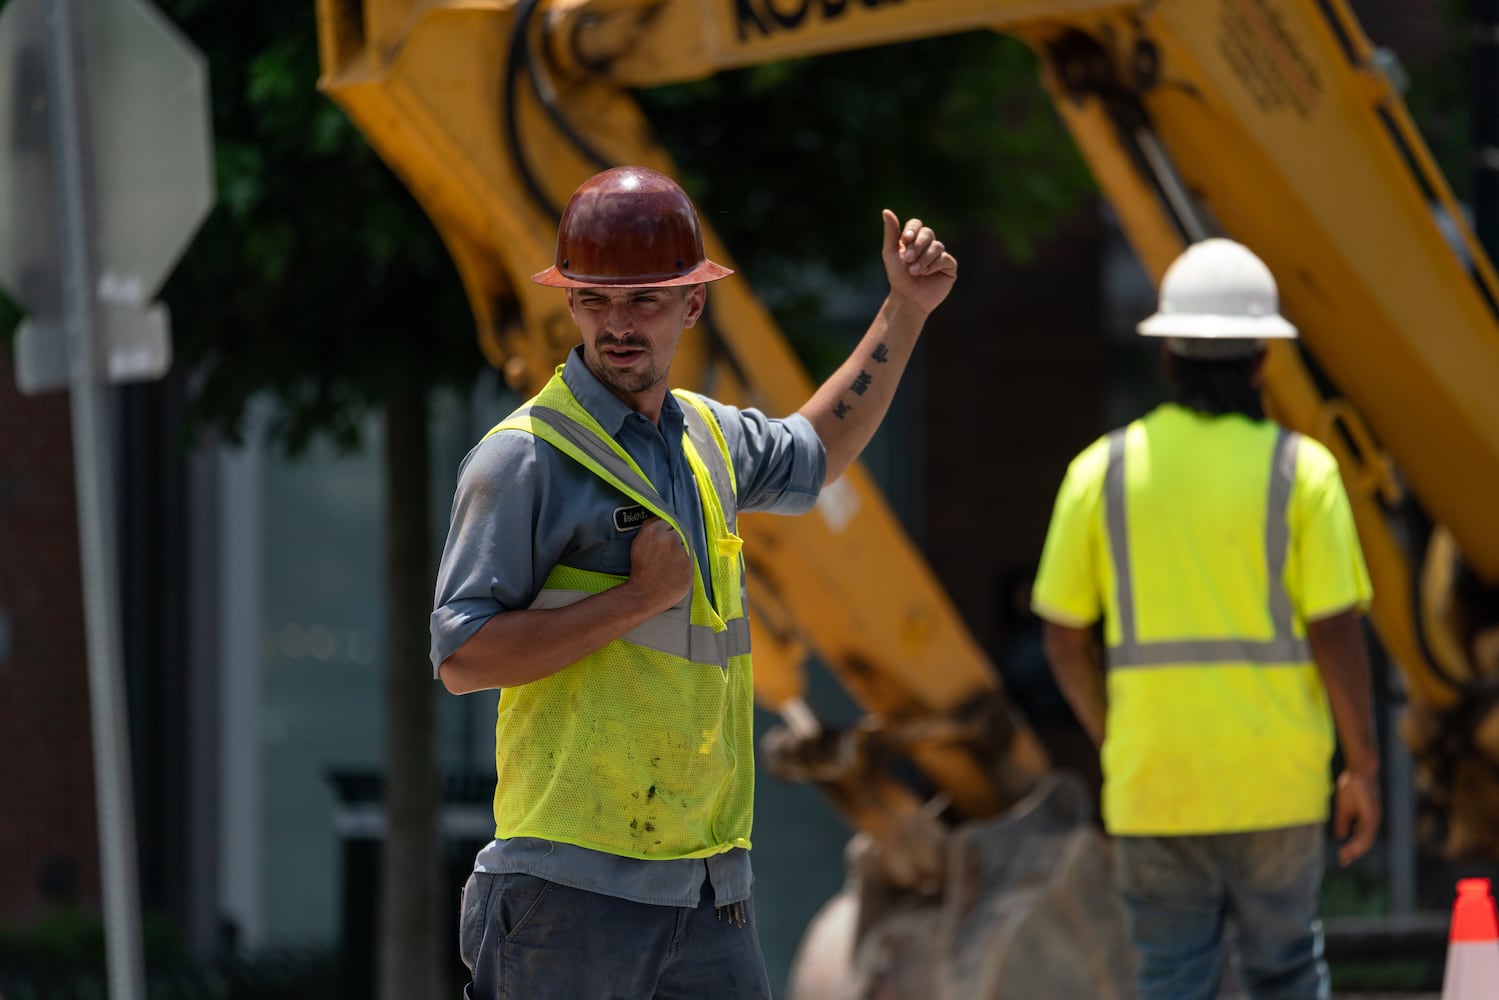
(1075, 570)
(1325, 571)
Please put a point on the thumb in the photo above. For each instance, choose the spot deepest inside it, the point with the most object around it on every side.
(892, 232)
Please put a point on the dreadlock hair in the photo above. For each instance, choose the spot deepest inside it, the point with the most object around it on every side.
(1216, 388)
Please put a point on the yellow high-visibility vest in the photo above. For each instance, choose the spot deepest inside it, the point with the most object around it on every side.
(645, 748)
(1206, 544)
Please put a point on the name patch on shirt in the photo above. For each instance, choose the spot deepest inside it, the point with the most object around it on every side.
(630, 518)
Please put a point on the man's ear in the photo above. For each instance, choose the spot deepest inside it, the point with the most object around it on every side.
(1257, 374)
(1166, 360)
(697, 299)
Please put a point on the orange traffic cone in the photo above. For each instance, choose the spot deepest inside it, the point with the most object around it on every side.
(1472, 945)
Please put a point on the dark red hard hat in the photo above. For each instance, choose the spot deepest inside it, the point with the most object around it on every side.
(629, 227)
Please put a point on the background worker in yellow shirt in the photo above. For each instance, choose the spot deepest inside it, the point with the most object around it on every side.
(1218, 550)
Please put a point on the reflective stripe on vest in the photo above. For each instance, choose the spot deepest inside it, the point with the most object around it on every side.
(580, 437)
(706, 445)
(672, 631)
(628, 476)
(667, 633)
(1285, 648)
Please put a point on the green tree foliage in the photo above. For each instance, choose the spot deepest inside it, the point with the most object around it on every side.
(791, 162)
(1440, 98)
(316, 279)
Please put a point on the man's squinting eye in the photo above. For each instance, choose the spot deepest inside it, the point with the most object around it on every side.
(645, 302)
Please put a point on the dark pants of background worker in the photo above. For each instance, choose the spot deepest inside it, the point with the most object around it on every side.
(526, 938)
(1181, 891)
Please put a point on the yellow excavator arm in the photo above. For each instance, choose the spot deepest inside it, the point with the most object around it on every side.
(1269, 121)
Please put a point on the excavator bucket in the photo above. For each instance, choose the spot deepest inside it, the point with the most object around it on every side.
(1027, 908)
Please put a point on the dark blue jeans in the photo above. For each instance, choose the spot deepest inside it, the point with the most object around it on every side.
(1181, 891)
(525, 938)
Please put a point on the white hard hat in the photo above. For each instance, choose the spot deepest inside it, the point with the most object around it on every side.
(1217, 290)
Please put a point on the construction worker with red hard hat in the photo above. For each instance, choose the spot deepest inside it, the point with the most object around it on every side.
(1217, 552)
(594, 575)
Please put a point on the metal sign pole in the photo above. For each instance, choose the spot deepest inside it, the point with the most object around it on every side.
(114, 794)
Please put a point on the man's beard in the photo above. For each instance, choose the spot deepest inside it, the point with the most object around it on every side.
(635, 380)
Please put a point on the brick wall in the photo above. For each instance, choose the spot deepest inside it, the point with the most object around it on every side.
(47, 827)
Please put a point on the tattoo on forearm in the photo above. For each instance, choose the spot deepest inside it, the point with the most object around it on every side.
(840, 409)
(862, 382)
(880, 353)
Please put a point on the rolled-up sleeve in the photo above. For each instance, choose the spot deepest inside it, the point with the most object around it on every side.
(779, 464)
(489, 561)
(1326, 573)
(1068, 589)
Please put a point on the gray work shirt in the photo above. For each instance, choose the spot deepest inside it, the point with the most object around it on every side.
(522, 507)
